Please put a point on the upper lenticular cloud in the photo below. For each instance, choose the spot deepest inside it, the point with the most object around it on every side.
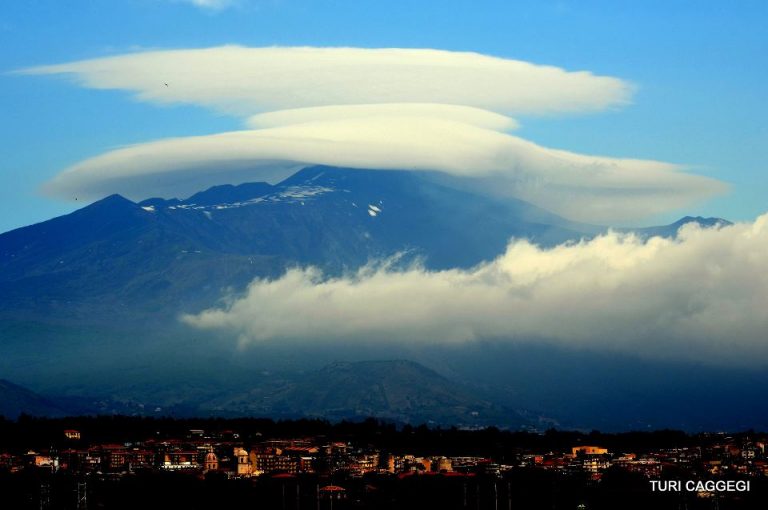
(245, 81)
(700, 297)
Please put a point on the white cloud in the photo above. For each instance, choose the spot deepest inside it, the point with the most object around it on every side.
(460, 141)
(245, 81)
(702, 297)
(210, 4)
(466, 114)
(372, 108)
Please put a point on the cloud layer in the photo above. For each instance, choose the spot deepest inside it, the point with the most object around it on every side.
(465, 114)
(460, 141)
(245, 81)
(701, 297)
(402, 109)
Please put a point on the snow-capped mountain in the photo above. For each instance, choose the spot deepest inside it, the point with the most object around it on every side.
(95, 295)
(117, 257)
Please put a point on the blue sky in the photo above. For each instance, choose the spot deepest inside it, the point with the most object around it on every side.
(699, 68)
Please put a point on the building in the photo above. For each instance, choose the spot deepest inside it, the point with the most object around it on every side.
(331, 492)
(272, 460)
(71, 434)
(442, 464)
(180, 459)
(243, 466)
(588, 450)
(211, 462)
(140, 459)
(595, 464)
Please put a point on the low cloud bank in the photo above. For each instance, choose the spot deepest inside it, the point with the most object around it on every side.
(701, 297)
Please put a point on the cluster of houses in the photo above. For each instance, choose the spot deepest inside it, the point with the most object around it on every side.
(226, 453)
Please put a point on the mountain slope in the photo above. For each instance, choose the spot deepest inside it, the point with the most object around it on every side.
(672, 229)
(398, 390)
(89, 302)
(122, 260)
(116, 258)
(15, 400)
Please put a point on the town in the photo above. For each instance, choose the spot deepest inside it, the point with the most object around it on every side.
(121, 462)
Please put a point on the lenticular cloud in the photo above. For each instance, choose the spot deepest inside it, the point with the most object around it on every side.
(245, 81)
(463, 142)
(390, 108)
(699, 297)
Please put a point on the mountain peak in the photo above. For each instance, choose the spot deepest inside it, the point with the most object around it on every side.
(702, 221)
(111, 205)
(399, 390)
(111, 208)
(310, 174)
(229, 193)
(112, 200)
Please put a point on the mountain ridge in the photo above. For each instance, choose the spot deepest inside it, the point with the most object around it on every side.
(399, 390)
(90, 301)
(16, 400)
(116, 257)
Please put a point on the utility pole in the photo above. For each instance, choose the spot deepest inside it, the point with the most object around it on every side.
(82, 496)
(45, 495)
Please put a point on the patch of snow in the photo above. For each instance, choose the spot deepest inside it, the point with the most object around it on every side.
(372, 212)
(299, 192)
(208, 215)
(291, 194)
(148, 208)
